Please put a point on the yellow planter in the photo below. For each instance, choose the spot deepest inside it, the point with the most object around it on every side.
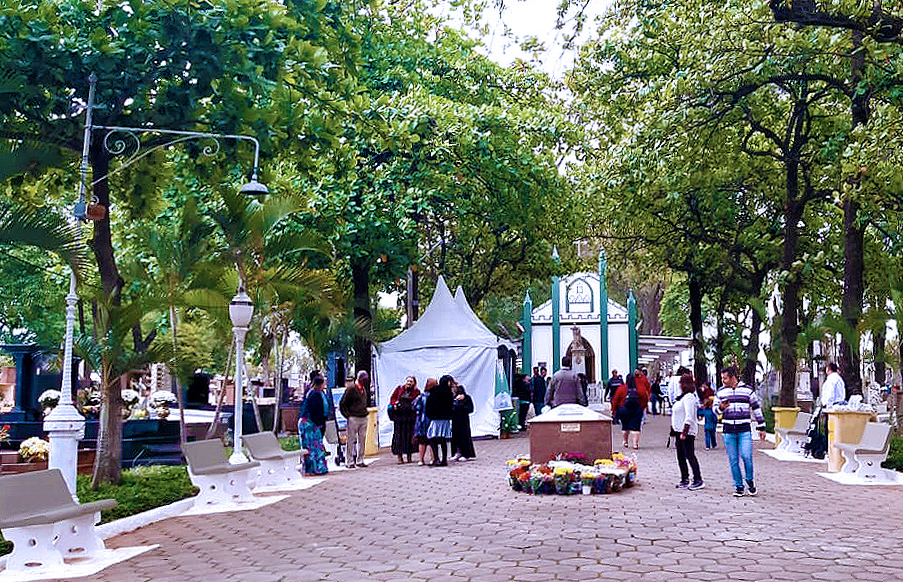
(784, 417)
(372, 446)
(844, 427)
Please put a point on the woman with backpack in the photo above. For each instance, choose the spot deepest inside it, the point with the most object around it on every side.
(630, 401)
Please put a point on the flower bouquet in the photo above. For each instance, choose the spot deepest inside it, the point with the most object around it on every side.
(587, 479)
(34, 449)
(161, 400)
(562, 477)
(4, 433)
(526, 481)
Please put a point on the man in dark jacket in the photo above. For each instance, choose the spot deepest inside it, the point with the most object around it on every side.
(538, 386)
(353, 407)
(565, 386)
(612, 385)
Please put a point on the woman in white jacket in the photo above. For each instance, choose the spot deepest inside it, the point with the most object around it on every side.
(684, 428)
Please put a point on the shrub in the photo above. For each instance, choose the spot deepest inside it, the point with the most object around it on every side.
(894, 454)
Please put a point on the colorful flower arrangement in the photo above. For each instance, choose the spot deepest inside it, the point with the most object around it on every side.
(34, 449)
(4, 433)
(564, 477)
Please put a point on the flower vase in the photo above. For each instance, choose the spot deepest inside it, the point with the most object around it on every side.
(587, 489)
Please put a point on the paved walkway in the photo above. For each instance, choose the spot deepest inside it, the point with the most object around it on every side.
(463, 523)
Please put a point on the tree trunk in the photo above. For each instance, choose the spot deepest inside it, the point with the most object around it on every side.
(108, 460)
(699, 360)
(211, 430)
(109, 439)
(853, 247)
(752, 349)
(851, 305)
(363, 321)
(174, 322)
(791, 289)
(879, 341)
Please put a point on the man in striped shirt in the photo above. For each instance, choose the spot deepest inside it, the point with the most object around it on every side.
(739, 403)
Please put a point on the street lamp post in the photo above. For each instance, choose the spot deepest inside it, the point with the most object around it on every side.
(65, 425)
(241, 309)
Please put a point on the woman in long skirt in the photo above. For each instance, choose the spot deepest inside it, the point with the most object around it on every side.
(311, 421)
(403, 416)
(461, 442)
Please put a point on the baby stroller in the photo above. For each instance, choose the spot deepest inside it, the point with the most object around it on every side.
(817, 442)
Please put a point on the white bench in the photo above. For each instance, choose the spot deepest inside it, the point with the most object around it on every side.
(44, 523)
(277, 467)
(219, 481)
(793, 439)
(865, 457)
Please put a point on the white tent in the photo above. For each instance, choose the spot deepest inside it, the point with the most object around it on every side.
(447, 339)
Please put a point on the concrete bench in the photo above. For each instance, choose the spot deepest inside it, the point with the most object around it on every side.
(865, 457)
(44, 523)
(219, 481)
(277, 467)
(793, 439)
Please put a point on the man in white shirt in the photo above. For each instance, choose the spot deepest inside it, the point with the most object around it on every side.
(833, 390)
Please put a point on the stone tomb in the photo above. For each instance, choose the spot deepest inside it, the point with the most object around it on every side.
(569, 428)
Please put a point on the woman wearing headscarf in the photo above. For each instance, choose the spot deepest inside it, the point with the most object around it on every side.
(461, 442)
(311, 424)
(439, 410)
(403, 416)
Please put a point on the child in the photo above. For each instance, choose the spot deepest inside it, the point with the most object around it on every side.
(707, 412)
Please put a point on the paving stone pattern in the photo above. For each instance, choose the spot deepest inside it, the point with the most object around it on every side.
(399, 523)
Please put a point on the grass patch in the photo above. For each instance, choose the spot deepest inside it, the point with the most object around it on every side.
(140, 489)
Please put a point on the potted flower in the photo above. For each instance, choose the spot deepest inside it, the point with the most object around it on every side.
(34, 449)
(161, 401)
(587, 479)
(130, 398)
(49, 399)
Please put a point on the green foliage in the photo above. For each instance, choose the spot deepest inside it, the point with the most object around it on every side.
(674, 314)
(895, 454)
(139, 489)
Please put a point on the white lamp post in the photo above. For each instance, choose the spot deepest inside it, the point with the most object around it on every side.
(240, 311)
(65, 425)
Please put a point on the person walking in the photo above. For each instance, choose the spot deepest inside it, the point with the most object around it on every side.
(612, 385)
(353, 407)
(461, 441)
(312, 426)
(738, 403)
(403, 417)
(684, 428)
(523, 393)
(538, 390)
(565, 386)
(422, 422)
(630, 401)
(439, 411)
(655, 398)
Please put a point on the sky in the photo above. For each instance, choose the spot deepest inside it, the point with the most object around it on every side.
(525, 18)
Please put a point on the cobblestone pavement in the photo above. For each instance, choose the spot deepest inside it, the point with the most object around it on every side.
(393, 522)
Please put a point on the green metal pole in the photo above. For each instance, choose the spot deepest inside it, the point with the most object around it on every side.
(632, 331)
(603, 317)
(527, 323)
(556, 316)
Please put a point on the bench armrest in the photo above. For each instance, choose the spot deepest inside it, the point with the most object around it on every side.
(279, 455)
